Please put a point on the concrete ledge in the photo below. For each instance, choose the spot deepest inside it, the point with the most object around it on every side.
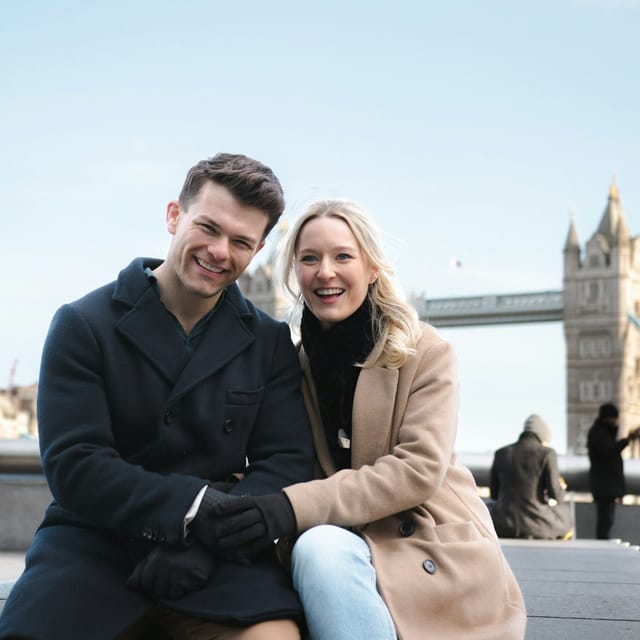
(5, 587)
(24, 499)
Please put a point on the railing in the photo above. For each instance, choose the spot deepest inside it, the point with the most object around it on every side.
(20, 456)
(574, 469)
(23, 457)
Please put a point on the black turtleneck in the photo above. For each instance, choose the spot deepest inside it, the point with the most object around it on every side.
(332, 354)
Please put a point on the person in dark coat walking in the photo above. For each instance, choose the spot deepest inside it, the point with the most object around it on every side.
(606, 472)
(155, 392)
(527, 487)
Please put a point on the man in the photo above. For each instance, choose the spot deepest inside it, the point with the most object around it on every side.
(154, 391)
(527, 488)
(606, 473)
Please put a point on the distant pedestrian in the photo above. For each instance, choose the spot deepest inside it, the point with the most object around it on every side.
(527, 487)
(607, 472)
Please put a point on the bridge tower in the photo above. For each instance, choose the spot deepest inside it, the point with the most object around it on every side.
(601, 326)
(260, 286)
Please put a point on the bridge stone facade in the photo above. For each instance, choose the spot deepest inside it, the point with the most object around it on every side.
(601, 327)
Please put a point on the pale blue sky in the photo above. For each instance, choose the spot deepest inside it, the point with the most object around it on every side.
(469, 129)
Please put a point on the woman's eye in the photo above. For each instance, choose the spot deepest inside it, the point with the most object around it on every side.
(343, 256)
(308, 259)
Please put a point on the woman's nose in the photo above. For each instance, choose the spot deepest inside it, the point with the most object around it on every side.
(325, 269)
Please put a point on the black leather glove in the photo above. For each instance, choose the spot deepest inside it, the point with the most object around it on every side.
(250, 524)
(202, 525)
(170, 572)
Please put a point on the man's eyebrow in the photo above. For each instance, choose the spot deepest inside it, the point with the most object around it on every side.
(204, 219)
(249, 239)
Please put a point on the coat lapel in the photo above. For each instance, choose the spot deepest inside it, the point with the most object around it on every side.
(226, 336)
(150, 328)
(373, 406)
(311, 401)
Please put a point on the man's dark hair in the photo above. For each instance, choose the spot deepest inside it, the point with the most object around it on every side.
(251, 182)
(608, 410)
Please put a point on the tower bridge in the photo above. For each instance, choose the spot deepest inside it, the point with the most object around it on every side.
(599, 307)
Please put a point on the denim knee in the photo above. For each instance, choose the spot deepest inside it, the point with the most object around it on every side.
(325, 548)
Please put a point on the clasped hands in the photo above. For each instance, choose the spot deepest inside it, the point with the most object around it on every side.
(225, 527)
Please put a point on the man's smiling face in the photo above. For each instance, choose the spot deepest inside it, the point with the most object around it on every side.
(213, 242)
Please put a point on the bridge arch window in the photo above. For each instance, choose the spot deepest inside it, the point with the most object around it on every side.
(596, 389)
(592, 292)
(595, 346)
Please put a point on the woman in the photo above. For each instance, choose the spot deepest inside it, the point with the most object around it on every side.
(395, 541)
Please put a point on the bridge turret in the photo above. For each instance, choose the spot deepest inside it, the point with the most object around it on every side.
(572, 261)
(612, 217)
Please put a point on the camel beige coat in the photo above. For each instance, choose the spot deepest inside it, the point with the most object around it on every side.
(439, 564)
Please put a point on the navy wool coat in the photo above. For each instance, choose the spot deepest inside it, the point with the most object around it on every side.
(130, 431)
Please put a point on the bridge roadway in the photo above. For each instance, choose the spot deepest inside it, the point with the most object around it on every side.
(508, 308)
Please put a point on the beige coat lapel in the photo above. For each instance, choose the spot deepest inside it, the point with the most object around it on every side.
(373, 407)
(311, 402)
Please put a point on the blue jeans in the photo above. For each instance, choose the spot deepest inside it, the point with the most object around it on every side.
(336, 582)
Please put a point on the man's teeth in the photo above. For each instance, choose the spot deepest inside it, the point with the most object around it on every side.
(208, 267)
(329, 292)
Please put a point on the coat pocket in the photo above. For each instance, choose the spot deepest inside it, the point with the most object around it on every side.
(446, 580)
(240, 411)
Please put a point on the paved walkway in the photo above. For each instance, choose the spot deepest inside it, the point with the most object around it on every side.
(578, 590)
(11, 565)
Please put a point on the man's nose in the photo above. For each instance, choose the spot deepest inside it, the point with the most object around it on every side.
(219, 248)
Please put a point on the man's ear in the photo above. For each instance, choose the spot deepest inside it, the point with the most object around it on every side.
(173, 213)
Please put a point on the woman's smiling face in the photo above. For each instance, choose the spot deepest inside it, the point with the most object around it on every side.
(332, 272)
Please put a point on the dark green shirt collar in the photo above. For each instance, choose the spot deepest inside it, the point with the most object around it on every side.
(193, 339)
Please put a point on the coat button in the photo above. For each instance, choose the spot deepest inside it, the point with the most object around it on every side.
(227, 428)
(429, 566)
(168, 417)
(407, 528)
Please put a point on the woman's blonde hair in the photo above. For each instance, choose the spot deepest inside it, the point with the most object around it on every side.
(395, 322)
